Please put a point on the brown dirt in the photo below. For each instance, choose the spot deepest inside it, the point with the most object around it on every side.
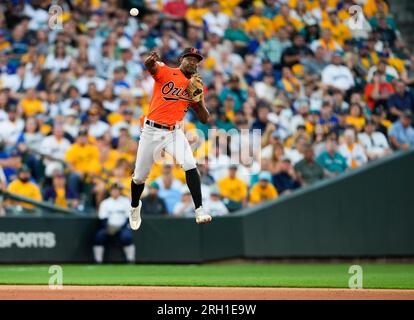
(196, 293)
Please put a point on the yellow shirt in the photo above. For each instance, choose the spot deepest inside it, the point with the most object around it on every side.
(357, 122)
(371, 9)
(279, 21)
(4, 45)
(256, 22)
(115, 117)
(84, 158)
(259, 194)
(195, 15)
(233, 189)
(311, 4)
(111, 160)
(156, 171)
(61, 198)
(125, 182)
(227, 6)
(25, 189)
(32, 106)
(340, 32)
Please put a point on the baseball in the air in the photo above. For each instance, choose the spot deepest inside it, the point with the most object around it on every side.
(133, 12)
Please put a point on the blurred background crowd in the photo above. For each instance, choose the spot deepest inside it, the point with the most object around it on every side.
(328, 95)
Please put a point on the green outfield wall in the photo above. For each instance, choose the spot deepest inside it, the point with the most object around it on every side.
(368, 212)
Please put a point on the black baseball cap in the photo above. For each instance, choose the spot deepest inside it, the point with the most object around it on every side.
(191, 51)
(117, 185)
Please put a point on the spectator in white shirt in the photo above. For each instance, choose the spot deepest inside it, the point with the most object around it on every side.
(14, 82)
(97, 127)
(214, 205)
(58, 60)
(113, 216)
(167, 174)
(74, 95)
(12, 127)
(336, 75)
(184, 208)
(54, 148)
(352, 151)
(215, 18)
(90, 77)
(374, 142)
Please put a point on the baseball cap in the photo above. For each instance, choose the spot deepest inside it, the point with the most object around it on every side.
(154, 185)
(265, 175)
(214, 190)
(93, 111)
(191, 51)
(70, 113)
(11, 108)
(234, 78)
(83, 132)
(117, 185)
(91, 25)
(338, 54)
(407, 114)
(24, 168)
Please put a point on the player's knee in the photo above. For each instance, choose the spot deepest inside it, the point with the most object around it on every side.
(100, 238)
(189, 165)
(138, 179)
(125, 237)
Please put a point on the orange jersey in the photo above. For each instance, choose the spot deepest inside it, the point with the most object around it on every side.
(168, 105)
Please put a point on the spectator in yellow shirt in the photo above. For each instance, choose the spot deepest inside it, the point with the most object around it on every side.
(258, 21)
(194, 14)
(31, 104)
(83, 157)
(24, 187)
(356, 117)
(4, 43)
(371, 7)
(284, 19)
(340, 31)
(263, 190)
(233, 190)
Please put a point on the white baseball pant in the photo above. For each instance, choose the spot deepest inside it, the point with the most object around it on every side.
(152, 142)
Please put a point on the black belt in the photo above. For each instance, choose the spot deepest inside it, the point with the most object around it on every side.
(159, 125)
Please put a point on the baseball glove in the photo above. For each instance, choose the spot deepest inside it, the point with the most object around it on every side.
(195, 88)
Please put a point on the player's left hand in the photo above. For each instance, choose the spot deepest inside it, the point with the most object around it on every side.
(195, 88)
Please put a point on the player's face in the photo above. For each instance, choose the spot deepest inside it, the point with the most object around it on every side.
(189, 64)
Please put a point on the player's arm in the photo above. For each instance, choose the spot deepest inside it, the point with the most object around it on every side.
(201, 110)
(151, 62)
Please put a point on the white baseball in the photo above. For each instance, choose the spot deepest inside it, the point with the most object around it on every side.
(134, 12)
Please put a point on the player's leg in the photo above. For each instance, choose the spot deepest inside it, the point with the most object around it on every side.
(180, 149)
(143, 164)
(125, 237)
(99, 245)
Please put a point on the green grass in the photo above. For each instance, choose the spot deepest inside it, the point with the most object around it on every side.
(399, 276)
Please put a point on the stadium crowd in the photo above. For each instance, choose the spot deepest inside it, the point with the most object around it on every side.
(328, 96)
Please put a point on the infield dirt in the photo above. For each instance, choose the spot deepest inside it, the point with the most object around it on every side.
(34, 292)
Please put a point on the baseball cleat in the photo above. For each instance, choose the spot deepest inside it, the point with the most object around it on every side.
(201, 216)
(135, 217)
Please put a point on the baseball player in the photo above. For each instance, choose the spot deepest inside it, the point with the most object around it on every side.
(113, 213)
(175, 90)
